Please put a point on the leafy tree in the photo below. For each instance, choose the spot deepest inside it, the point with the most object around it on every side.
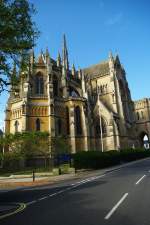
(60, 146)
(17, 35)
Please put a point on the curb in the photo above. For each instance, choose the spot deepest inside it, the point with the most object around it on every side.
(85, 173)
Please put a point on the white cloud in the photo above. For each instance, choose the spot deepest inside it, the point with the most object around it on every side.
(114, 20)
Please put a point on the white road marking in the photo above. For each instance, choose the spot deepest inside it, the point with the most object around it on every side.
(140, 179)
(51, 195)
(115, 207)
(72, 186)
(40, 199)
(30, 203)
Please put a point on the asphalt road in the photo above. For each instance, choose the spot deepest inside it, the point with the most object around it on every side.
(121, 197)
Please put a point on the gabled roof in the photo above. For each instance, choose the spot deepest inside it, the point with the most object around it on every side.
(100, 69)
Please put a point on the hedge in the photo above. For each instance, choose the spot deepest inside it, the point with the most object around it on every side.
(97, 159)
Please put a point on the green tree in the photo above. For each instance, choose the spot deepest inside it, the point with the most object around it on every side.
(17, 36)
(60, 145)
(24, 146)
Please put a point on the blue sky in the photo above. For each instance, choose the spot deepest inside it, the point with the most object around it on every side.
(93, 28)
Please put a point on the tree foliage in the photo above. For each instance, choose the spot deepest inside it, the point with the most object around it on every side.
(17, 36)
(60, 146)
(28, 144)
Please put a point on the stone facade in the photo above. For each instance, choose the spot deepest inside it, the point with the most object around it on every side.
(91, 107)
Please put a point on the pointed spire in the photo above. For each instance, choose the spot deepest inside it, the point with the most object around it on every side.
(73, 69)
(111, 62)
(58, 60)
(46, 52)
(117, 60)
(79, 74)
(41, 58)
(111, 56)
(47, 55)
(65, 54)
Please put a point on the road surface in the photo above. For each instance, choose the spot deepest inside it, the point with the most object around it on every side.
(121, 197)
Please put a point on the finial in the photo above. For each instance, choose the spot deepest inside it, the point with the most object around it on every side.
(47, 52)
(41, 58)
(79, 73)
(110, 55)
(47, 55)
(65, 61)
(73, 69)
(58, 60)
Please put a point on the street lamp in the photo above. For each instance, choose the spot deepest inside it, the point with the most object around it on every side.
(101, 130)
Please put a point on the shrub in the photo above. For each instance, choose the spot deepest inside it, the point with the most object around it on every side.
(12, 161)
(133, 154)
(97, 159)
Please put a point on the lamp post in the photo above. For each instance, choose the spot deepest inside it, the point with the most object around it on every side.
(101, 130)
(3, 150)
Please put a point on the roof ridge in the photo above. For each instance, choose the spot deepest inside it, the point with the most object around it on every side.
(94, 65)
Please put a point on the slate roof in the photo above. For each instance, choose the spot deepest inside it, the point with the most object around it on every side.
(97, 70)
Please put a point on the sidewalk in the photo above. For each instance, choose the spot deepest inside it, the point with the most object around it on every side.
(8, 183)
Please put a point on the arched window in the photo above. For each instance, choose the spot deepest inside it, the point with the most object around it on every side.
(142, 114)
(67, 121)
(73, 92)
(39, 85)
(55, 87)
(104, 130)
(138, 115)
(98, 128)
(59, 125)
(78, 126)
(38, 124)
(52, 109)
(16, 126)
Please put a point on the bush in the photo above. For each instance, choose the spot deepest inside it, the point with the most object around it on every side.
(12, 161)
(128, 155)
(97, 160)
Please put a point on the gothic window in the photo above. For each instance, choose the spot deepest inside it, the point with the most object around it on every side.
(38, 124)
(55, 87)
(101, 88)
(23, 108)
(39, 85)
(142, 114)
(104, 130)
(78, 126)
(59, 124)
(16, 126)
(67, 121)
(73, 92)
(118, 127)
(138, 115)
(98, 128)
(52, 109)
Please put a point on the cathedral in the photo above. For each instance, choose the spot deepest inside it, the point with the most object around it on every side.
(91, 107)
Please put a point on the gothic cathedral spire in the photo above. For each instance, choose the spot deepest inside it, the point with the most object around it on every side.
(65, 61)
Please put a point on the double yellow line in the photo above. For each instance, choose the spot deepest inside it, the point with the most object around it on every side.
(22, 206)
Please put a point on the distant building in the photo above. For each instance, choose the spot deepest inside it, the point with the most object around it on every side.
(91, 107)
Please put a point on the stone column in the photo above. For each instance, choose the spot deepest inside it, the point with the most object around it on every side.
(72, 129)
(84, 128)
(24, 116)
